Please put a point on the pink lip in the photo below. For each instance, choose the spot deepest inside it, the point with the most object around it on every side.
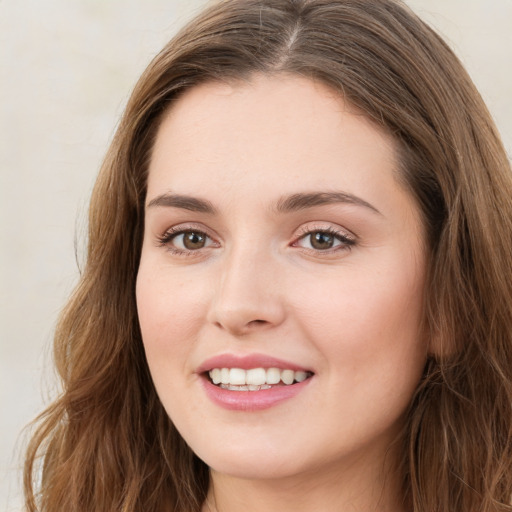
(247, 362)
(249, 400)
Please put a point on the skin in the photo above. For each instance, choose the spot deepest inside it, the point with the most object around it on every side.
(351, 314)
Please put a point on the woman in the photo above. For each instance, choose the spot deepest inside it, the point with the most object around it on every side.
(297, 290)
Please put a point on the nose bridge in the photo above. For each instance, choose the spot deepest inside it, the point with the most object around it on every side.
(247, 295)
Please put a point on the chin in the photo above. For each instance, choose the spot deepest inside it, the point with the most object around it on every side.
(251, 462)
(247, 469)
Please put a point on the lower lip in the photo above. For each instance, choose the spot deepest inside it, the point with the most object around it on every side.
(252, 400)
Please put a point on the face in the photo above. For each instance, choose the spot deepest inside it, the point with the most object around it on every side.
(281, 279)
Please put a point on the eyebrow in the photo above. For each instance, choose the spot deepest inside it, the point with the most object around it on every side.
(302, 201)
(294, 202)
(193, 204)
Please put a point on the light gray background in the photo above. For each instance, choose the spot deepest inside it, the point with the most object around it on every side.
(66, 70)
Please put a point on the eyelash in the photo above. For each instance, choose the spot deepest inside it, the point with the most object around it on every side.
(166, 239)
(346, 241)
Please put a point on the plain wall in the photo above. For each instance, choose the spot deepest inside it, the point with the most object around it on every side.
(66, 70)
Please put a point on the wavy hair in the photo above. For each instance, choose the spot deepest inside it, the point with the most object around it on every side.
(106, 444)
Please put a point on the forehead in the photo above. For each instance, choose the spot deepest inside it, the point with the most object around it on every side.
(269, 127)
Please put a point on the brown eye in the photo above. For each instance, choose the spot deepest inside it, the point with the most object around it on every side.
(183, 241)
(193, 240)
(325, 240)
(321, 240)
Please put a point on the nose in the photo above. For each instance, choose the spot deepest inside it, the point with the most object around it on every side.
(248, 297)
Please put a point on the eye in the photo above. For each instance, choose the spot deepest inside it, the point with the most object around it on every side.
(325, 240)
(190, 240)
(185, 240)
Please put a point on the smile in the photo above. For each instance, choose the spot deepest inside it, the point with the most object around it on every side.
(252, 382)
(255, 379)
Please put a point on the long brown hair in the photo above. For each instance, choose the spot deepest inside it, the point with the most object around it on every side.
(106, 444)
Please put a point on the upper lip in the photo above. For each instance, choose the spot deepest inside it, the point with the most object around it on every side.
(246, 362)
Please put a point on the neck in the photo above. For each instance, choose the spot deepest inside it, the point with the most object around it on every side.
(358, 488)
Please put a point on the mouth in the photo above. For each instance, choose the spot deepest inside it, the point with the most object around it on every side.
(252, 382)
(255, 379)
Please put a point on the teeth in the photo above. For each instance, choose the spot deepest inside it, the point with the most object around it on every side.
(256, 376)
(254, 379)
(216, 376)
(287, 376)
(237, 377)
(249, 387)
(273, 375)
(300, 376)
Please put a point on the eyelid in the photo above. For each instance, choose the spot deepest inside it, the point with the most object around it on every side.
(346, 237)
(165, 239)
(328, 227)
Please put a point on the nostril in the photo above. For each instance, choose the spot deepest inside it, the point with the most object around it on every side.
(257, 322)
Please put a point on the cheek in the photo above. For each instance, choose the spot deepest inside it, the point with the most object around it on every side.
(369, 318)
(367, 328)
(170, 309)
